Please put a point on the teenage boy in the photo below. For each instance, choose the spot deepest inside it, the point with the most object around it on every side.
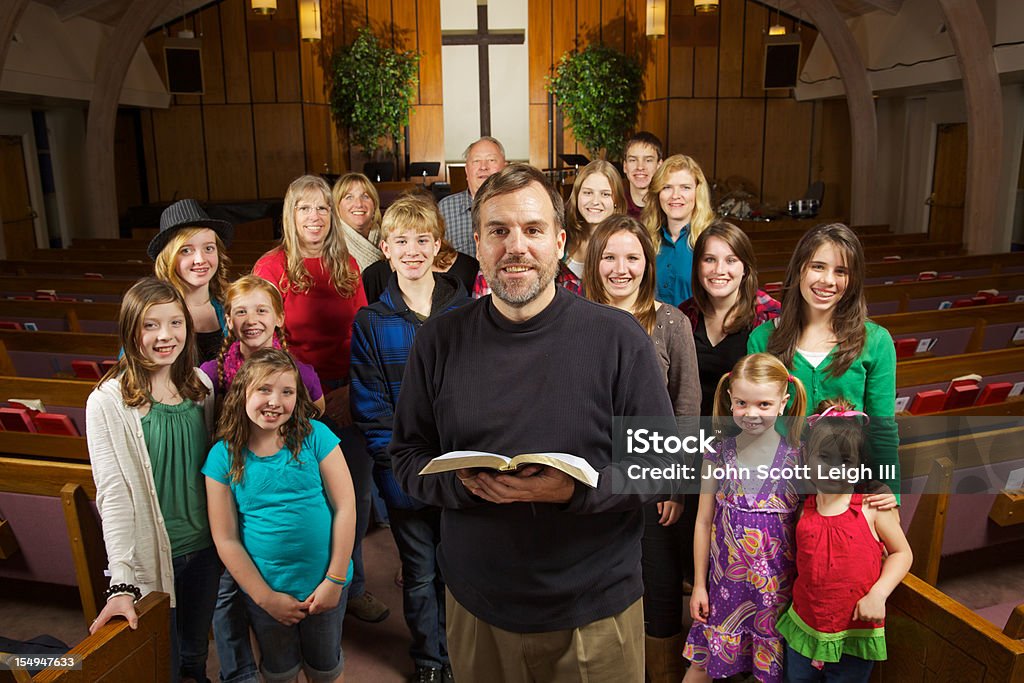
(644, 154)
(382, 336)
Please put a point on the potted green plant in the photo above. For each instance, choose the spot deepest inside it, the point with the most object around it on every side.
(598, 89)
(372, 88)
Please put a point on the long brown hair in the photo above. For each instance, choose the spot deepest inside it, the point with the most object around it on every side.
(576, 227)
(744, 312)
(334, 255)
(850, 313)
(240, 287)
(235, 427)
(133, 366)
(653, 217)
(761, 368)
(644, 310)
(165, 266)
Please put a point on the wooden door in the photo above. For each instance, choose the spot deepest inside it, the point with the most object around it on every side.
(949, 184)
(16, 210)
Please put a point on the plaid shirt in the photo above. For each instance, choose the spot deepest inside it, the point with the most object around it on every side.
(456, 209)
(765, 308)
(565, 278)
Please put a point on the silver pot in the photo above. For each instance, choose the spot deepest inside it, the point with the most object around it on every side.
(804, 208)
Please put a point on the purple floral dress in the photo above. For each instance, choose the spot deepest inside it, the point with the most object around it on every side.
(751, 572)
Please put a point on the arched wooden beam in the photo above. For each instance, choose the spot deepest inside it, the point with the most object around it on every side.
(111, 69)
(10, 13)
(863, 124)
(983, 93)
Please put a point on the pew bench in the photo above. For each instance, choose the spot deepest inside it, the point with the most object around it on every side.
(931, 637)
(955, 331)
(118, 653)
(48, 354)
(880, 272)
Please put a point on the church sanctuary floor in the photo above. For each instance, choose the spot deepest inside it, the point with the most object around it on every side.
(379, 652)
(986, 577)
(373, 652)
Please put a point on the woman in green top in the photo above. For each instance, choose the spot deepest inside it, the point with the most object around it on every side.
(824, 337)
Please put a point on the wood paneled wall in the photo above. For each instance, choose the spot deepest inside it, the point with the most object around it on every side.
(264, 118)
(703, 101)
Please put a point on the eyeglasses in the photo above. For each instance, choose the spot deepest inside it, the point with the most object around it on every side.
(306, 209)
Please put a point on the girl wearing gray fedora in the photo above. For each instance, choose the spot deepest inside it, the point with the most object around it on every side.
(189, 252)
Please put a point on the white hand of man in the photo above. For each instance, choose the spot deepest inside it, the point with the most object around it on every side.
(532, 484)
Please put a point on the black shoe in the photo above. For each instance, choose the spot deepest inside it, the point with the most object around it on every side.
(446, 674)
(424, 674)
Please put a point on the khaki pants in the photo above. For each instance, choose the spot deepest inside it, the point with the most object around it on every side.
(609, 650)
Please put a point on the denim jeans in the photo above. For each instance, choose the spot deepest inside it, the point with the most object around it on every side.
(353, 446)
(195, 591)
(849, 669)
(417, 533)
(231, 634)
(314, 644)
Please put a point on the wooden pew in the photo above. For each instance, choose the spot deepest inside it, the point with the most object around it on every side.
(116, 653)
(780, 259)
(258, 229)
(768, 242)
(928, 526)
(931, 637)
(45, 354)
(77, 287)
(933, 370)
(942, 524)
(975, 321)
(60, 342)
(109, 270)
(61, 396)
(925, 295)
(125, 254)
(979, 264)
(925, 374)
(802, 225)
(51, 354)
(44, 516)
(87, 549)
(69, 315)
(141, 245)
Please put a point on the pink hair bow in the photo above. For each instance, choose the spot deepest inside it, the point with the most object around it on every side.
(835, 411)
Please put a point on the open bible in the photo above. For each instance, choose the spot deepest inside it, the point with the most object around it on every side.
(575, 466)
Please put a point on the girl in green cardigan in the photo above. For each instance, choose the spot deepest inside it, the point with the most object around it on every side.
(825, 339)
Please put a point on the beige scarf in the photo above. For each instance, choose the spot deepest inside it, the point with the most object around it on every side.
(363, 250)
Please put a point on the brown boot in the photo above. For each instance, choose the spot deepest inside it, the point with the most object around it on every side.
(663, 659)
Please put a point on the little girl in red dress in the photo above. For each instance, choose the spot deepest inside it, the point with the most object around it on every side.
(835, 625)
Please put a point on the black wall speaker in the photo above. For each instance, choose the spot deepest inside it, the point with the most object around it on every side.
(781, 61)
(184, 65)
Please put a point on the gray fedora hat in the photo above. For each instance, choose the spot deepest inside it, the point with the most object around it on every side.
(187, 213)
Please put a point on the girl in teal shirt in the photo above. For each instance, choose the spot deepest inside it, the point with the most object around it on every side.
(825, 339)
(282, 513)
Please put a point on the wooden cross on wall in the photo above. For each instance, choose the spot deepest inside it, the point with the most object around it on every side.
(483, 38)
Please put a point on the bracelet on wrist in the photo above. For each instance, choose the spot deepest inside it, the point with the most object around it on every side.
(340, 580)
(123, 589)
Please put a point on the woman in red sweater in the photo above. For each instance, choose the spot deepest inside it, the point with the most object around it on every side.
(322, 291)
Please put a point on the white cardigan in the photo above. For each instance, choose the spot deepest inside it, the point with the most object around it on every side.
(138, 548)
